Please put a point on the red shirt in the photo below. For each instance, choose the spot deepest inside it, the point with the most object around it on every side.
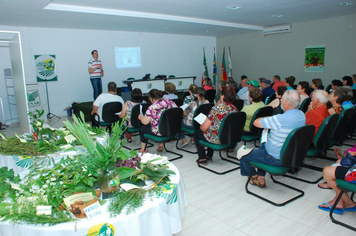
(316, 117)
(276, 85)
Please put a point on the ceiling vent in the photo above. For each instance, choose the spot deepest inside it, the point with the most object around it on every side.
(280, 29)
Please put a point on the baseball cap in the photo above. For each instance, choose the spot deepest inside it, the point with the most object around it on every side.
(254, 83)
(266, 81)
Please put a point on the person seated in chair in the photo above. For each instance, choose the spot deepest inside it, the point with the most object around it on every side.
(330, 174)
(136, 98)
(288, 82)
(267, 90)
(188, 114)
(337, 97)
(317, 110)
(208, 84)
(276, 103)
(222, 83)
(153, 114)
(303, 89)
(104, 98)
(280, 126)
(210, 128)
(192, 94)
(255, 96)
(170, 90)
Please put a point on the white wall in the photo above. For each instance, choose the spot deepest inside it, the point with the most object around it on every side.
(167, 54)
(283, 54)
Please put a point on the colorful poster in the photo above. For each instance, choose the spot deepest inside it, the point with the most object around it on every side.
(46, 68)
(314, 58)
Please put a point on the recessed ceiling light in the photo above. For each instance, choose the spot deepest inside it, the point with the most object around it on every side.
(346, 3)
(234, 7)
(277, 16)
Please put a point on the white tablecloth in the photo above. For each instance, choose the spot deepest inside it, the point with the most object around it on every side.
(154, 218)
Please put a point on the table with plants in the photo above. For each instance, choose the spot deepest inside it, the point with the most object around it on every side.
(99, 189)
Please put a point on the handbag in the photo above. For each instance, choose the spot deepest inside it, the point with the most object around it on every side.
(351, 175)
(348, 160)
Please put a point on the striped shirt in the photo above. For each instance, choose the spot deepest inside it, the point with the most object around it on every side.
(94, 63)
(281, 125)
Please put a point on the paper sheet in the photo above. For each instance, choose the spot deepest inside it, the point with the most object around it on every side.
(200, 118)
(264, 135)
(184, 106)
(141, 113)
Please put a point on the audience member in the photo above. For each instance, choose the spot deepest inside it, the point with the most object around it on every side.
(316, 84)
(330, 174)
(243, 77)
(136, 98)
(193, 89)
(347, 80)
(243, 92)
(303, 88)
(289, 81)
(336, 83)
(280, 126)
(266, 89)
(277, 82)
(208, 84)
(276, 103)
(104, 98)
(188, 114)
(317, 111)
(222, 83)
(348, 103)
(354, 81)
(233, 84)
(151, 118)
(170, 90)
(210, 128)
(337, 98)
(255, 96)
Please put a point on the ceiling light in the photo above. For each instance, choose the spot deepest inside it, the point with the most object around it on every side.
(346, 3)
(234, 7)
(277, 16)
(146, 15)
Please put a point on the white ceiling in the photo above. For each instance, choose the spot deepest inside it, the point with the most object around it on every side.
(190, 17)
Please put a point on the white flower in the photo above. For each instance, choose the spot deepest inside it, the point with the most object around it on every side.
(47, 181)
(45, 186)
(53, 179)
(61, 182)
(52, 184)
(17, 194)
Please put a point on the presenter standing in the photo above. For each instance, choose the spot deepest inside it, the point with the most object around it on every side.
(96, 71)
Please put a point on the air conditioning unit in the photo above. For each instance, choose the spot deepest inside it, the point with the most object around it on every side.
(280, 29)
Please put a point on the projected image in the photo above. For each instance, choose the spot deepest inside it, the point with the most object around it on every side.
(128, 57)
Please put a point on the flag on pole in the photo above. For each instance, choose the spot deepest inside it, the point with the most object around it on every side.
(205, 70)
(229, 70)
(214, 69)
(223, 68)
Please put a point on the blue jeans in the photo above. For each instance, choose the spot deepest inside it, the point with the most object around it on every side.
(261, 156)
(181, 135)
(97, 87)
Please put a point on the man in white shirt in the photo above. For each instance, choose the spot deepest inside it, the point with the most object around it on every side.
(105, 98)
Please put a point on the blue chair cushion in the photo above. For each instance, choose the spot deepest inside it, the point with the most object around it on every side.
(155, 138)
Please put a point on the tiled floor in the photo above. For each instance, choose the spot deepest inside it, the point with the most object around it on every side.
(219, 205)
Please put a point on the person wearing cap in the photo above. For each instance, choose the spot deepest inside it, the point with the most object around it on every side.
(266, 89)
(245, 97)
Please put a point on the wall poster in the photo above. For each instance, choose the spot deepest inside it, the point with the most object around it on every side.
(314, 58)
